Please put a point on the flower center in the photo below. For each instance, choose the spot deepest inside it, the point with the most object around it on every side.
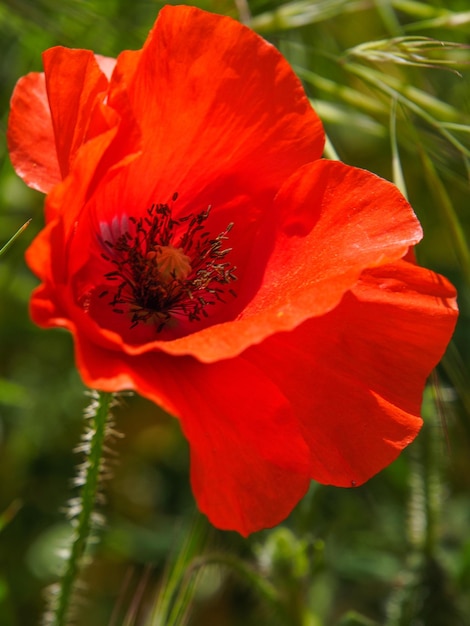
(170, 263)
(165, 270)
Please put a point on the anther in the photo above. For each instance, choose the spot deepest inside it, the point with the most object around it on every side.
(169, 269)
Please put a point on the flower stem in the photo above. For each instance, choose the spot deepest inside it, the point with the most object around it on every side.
(89, 478)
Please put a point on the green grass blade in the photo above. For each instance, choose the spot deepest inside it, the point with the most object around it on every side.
(398, 177)
(15, 237)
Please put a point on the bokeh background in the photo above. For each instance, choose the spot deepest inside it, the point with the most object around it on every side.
(395, 551)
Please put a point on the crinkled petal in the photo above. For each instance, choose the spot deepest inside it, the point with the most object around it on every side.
(267, 125)
(40, 156)
(215, 113)
(102, 156)
(334, 222)
(249, 463)
(76, 86)
(355, 376)
(30, 135)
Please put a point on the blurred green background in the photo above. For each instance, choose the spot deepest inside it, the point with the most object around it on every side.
(395, 551)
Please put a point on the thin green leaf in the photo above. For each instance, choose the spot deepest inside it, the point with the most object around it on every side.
(346, 94)
(333, 113)
(448, 213)
(15, 237)
(388, 16)
(411, 50)
(397, 169)
(296, 14)
(418, 9)
(407, 96)
(449, 20)
(329, 151)
(177, 589)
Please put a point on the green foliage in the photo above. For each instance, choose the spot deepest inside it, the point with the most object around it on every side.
(390, 80)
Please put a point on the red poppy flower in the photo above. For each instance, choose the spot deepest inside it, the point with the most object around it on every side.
(202, 253)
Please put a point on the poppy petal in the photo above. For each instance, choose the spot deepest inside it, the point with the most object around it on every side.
(244, 116)
(331, 229)
(30, 135)
(355, 376)
(249, 463)
(74, 82)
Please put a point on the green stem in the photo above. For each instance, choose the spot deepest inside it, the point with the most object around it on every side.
(98, 412)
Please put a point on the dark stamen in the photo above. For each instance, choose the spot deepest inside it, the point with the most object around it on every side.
(148, 291)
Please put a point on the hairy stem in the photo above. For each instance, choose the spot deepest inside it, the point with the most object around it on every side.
(89, 477)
